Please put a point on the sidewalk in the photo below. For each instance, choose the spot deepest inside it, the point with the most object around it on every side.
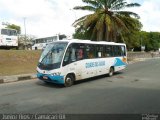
(15, 78)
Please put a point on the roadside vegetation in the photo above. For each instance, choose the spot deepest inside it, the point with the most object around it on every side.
(14, 62)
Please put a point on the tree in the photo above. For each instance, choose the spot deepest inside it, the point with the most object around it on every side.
(153, 41)
(16, 27)
(25, 42)
(107, 21)
(150, 40)
(133, 38)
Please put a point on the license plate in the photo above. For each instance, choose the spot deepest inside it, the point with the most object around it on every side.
(45, 77)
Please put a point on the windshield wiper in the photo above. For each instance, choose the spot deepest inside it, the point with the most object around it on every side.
(46, 55)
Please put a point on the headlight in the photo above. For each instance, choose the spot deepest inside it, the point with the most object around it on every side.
(56, 74)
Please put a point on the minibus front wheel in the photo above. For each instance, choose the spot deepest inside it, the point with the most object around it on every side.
(69, 80)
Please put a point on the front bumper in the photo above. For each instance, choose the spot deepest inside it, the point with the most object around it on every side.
(50, 78)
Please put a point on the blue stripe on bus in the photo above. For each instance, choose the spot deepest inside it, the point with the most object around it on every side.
(119, 62)
(53, 79)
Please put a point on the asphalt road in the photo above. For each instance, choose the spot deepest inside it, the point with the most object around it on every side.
(135, 90)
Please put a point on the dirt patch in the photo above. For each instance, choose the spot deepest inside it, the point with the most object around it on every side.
(13, 62)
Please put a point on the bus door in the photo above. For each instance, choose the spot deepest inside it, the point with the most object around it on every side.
(73, 60)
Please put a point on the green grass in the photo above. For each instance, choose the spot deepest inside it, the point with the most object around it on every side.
(13, 62)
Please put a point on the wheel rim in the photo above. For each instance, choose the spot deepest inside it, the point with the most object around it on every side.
(68, 82)
(111, 72)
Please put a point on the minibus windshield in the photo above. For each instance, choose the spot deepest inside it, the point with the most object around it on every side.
(52, 56)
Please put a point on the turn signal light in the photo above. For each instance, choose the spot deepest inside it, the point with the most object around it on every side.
(124, 60)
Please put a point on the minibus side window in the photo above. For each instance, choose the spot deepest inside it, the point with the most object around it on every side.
(108, 51)
(123, 50)
(75, 52)
(90, 51)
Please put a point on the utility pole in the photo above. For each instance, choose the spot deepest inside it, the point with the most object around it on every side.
(25, 30)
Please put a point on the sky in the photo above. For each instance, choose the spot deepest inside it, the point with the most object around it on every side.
(49, 17)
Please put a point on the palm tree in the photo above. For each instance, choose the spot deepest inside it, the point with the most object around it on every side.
(107, 20)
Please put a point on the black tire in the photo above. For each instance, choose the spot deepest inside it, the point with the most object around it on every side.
(111, 72)
(69, 81)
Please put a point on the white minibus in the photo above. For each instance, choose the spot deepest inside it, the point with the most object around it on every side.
(66, 61)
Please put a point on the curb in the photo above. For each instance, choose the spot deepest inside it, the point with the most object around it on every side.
(16, 78)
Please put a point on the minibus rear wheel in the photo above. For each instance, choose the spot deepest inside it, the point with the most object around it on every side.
(111, 72)
(69, 80)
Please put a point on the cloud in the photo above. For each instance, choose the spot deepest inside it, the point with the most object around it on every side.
(43, 17)
(149, 13)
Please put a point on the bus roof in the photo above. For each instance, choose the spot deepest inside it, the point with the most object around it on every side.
(91, 42)
(9, 28)
(49, 36)
(45, 37)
